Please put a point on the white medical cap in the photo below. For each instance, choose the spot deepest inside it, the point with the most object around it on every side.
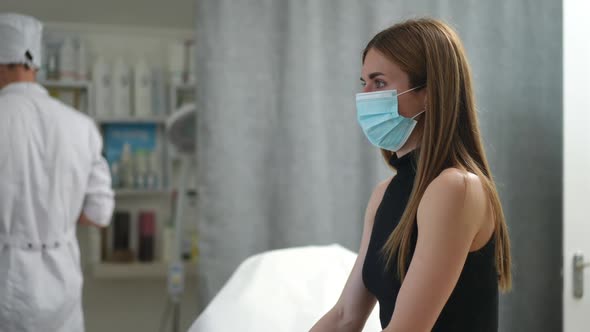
(20, 40)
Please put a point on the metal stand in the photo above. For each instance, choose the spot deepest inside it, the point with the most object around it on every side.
(179, 127)
(176, 269)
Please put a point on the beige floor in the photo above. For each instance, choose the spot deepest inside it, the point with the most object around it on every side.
(132, 305)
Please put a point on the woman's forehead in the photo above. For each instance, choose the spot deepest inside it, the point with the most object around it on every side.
(375, 61)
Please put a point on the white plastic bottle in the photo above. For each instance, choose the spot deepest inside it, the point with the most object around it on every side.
(158, 91)
(140, 161)
(142, 96)
(82, 65)
(153, 177)
(52, 64)
(115, 175)
(126, 167)
(176, 58)
(67, 58)
(121, 89)
(192, 63)
(102, 101)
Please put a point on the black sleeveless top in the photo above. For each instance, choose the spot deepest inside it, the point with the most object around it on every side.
(473, 304)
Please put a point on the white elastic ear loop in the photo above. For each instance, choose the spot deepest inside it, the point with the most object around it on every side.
(415, 116)
(412, 89)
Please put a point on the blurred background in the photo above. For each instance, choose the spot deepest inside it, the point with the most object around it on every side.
(280, 160)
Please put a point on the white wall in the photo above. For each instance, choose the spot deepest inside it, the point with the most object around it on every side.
(154, 13)
(576, 228)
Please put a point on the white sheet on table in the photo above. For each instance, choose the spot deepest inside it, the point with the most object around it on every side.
(284, 290)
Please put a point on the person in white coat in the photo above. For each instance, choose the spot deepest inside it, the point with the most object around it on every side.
(52, 177)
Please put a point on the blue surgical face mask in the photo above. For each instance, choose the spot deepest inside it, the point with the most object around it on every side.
(378, 115)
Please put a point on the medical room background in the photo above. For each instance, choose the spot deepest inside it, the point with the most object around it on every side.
(280, 161)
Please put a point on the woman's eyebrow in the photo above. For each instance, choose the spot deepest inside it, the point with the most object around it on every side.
(375, 74)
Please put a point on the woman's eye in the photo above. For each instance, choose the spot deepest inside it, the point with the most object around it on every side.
(363, 84)
(379, 84)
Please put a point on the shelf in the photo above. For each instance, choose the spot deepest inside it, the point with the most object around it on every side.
(69, 85)
(156, 119)
(141, 192)
(136, 270)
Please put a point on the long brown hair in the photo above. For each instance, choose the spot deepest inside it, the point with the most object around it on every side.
(431, 53)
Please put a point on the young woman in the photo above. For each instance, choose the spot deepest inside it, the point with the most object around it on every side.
(435, 249)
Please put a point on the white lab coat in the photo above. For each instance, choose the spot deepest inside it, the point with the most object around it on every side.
(51, 170)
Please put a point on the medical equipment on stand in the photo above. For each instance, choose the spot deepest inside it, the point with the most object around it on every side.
(180, 130)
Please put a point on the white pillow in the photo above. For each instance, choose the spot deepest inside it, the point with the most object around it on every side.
(284, 290)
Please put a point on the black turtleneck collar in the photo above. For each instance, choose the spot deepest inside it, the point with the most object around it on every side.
(409, 161)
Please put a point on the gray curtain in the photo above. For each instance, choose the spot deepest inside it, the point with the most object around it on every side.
(283, 163)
